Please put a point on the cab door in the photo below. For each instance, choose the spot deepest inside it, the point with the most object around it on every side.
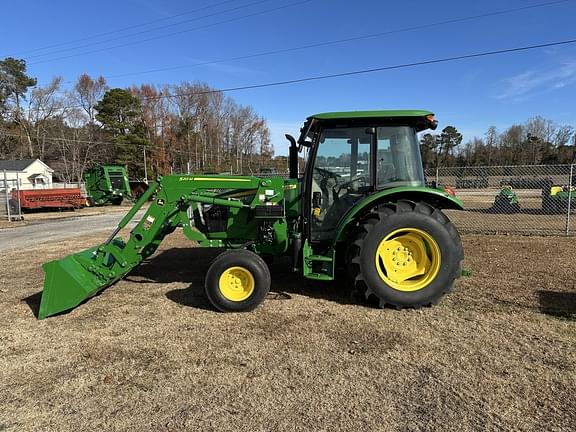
(341, 175)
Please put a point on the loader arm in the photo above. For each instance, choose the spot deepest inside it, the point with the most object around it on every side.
(77, 277)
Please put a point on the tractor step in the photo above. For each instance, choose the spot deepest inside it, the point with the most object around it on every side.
(319, 276)
(318, 267)
(321, 258)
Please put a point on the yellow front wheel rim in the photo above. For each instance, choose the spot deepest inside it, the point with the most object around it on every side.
(408, 259)
(236, 284)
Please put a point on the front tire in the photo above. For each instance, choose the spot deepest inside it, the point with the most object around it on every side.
(237, 281)
(405, 254)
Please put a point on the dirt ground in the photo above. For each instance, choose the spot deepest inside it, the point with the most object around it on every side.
(149, 353)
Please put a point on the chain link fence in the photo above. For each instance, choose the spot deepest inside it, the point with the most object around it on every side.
(531, 199)
(9, 208)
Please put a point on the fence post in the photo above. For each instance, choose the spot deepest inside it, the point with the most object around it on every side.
(18, 192)
(568, 211)
(7, 197)
(437, 176)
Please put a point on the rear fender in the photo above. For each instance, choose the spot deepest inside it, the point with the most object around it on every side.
(434, 197)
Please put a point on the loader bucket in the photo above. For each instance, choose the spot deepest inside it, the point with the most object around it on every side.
(68, 282)
(75, 278)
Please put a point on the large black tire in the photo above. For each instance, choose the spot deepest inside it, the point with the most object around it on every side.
(237, 281)
(370, 276)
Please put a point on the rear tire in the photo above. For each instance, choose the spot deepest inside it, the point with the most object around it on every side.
(404, 254)
(237, 281)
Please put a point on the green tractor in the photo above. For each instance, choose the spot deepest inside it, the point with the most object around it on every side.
(558, 198)
(506, 201)
(106, 184)
(360, 205)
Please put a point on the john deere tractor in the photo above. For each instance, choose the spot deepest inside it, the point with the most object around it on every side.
(360, 205)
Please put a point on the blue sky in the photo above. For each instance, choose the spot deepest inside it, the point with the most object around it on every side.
(471, 95)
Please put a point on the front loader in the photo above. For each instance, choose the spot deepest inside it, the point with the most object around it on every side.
(361, 204)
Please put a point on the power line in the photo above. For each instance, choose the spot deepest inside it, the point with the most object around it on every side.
(120, 30)
(339, 41)
(151, 30)
(330, 76)
(362, 71)
(175, 33)
(371, 70)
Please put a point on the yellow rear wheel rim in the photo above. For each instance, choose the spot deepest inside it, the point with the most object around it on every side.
(408, 259)
(236, 284)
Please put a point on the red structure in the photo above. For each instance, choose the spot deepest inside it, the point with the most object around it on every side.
(49, 198)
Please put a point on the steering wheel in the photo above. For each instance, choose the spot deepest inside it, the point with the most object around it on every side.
(327, 174)
(349, 183)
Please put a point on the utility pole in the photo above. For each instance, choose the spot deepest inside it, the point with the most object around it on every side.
(145, 168)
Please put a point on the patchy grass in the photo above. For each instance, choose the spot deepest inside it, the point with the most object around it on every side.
(150, 353)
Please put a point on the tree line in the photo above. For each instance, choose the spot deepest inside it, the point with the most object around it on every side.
(538, 141)
(174, 128)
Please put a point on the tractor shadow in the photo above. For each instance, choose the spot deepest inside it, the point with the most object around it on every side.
(190, 265)
(558, 304)
(33, 302)
(186, 265)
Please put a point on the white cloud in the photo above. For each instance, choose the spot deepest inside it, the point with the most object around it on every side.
(522, 86)
(218, 66)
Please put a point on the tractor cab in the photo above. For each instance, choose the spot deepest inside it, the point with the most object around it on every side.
(355, 154)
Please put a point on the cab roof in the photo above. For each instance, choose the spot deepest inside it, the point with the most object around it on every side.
(344, 115)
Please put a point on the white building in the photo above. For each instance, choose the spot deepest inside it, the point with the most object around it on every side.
(28, 173)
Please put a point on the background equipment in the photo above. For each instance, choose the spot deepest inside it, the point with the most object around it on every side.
(106, 184)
